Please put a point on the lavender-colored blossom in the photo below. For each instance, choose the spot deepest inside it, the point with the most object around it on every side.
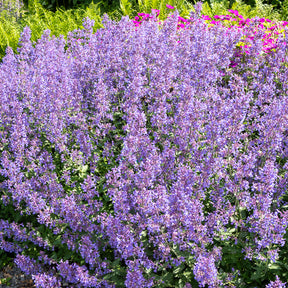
(276, 284)
(205, 271)
(44, 280)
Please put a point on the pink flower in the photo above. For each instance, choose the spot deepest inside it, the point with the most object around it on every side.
(208, 18)
(270, 40)
(157, 11)
(227, 17)
(169, 6)
(222, 17)
(233, 64)
(235, 12)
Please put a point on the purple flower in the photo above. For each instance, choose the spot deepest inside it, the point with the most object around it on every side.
(205, 271)
(276, 284)
(44, 280)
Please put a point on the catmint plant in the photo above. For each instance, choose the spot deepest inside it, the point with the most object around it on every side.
(138, 158)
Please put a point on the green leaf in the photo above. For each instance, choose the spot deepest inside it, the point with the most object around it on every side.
(179, 269)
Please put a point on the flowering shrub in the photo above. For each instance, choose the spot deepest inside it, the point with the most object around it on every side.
(142, 159)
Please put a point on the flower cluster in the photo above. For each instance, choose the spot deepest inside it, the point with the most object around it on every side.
(276, 284)
(143, 148)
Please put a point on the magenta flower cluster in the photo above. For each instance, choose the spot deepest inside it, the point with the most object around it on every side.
(202, 154)
(253, 29)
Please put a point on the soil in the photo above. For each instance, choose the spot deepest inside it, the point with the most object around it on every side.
(13, 277)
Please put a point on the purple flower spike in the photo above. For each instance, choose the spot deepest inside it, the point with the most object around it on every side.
(276, 284)
(205, 271)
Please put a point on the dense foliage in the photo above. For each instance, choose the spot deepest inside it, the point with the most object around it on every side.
(146, 157)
